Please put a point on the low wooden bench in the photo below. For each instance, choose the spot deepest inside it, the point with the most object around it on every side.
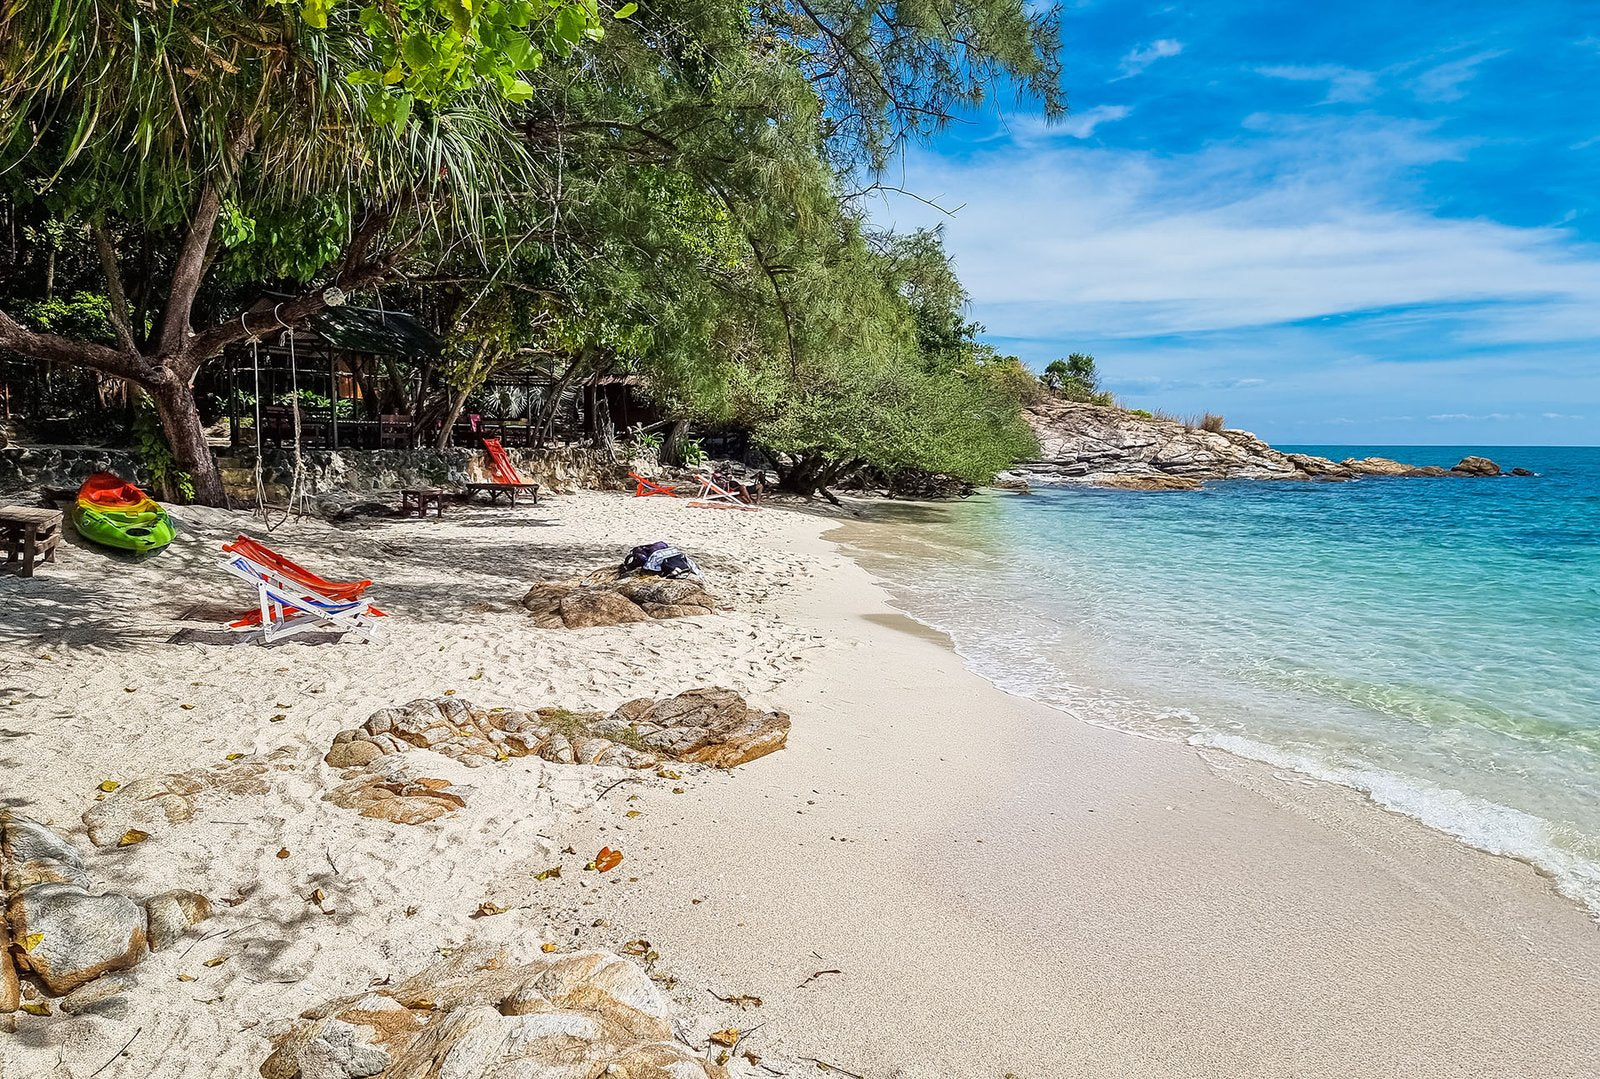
(510, 490)
(29, 534)
(420, 498)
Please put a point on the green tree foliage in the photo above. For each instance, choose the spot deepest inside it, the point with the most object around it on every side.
(324, 139)
(1077, 379)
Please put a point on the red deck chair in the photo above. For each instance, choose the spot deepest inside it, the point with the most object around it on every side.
(507, 480)
(292, 597)
(652, 489)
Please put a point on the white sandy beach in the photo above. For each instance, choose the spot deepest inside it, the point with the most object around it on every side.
(999, 889)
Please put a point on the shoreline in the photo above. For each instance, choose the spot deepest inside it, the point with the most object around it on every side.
(1277, 944)
(1000, 888)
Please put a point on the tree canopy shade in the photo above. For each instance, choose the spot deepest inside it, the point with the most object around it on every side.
(663, 188)
(318, 141)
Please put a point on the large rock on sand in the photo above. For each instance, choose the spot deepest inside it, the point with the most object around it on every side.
(706, 726)
(570, 1016)
(57, 928)
(583, 604)
(69, 936)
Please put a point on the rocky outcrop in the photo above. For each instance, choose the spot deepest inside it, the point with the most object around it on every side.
(585, 603)
(148, 807)
(573, 1016)
(1112, 447)
(1477, 466)
(711, 726)
(61, 933)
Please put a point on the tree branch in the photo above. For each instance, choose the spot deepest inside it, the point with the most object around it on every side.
(56, 349)
(188, 272)
(114, 291)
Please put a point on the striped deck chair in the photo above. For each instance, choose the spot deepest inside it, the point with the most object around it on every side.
(719, 492)
(290, 598)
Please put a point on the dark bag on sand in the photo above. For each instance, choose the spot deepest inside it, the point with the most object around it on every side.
(661, 559)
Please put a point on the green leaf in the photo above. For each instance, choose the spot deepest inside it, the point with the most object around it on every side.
(624, 11)
(518, 91)
(417, 50)
(315, 13)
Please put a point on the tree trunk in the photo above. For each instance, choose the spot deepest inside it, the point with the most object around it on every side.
(605, 432)
(457, 404)
(180, 421)
(672, 447)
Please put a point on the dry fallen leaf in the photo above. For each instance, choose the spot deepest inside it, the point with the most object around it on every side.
(729, 1037)
(633, 813)
(668, 773)
(742, 1001)
(279, 718)
(132, 836)
(548, 874)
(283, 852)
(486, 909)
(186, 977)
(109, 785)
(677, 790)
(215, 961)
(607, 859)
(548, 946)
(31, 941)
(36, 1007)
(233, 756)
(636, 947)
(317, 896)
(187, 707)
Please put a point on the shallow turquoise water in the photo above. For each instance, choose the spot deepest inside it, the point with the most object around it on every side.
(1433, 642)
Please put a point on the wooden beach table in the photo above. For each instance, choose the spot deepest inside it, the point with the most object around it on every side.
(29, 534)
(510, 490)
(419, 498)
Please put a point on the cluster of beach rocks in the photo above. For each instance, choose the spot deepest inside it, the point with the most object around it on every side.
(1113, 447)
(710, 725)
(567, 1016)
(587, 602)
(61, 934)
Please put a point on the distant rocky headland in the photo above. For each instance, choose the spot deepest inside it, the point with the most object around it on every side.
(1114, 447)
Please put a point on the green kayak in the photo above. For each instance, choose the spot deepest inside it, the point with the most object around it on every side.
(114, 513)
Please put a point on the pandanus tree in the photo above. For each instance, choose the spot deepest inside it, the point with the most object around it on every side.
(314, 142)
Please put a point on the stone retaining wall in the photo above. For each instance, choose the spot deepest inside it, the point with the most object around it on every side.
(25, 468)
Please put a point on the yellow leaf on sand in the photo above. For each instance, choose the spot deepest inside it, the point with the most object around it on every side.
(729, 1037)
(215, 961)
(553, 873)
(487, 909)
(548, 946)
(187, 707)
(36, 1007)
(233, 756)
(109, 785)
(279, 718)
(31, 941)
(633, 813)
(186, 977)
(132, 836)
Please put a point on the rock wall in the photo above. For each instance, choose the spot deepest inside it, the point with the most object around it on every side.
(562, 468)
(1113, 447)
(24, 468)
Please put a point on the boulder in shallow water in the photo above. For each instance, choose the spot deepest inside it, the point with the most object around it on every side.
(1375, 466)
(1476, 466)
(1523, 472)
(1146, 481)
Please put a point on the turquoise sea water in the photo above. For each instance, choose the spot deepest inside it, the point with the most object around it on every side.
(1432, 642)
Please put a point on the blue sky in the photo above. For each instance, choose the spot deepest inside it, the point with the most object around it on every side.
(1370, 222)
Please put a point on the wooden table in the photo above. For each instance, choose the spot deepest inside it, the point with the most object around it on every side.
(30, 534)
(418, 498)
(510, 490)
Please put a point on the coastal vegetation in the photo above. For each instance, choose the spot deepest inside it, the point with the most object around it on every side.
(669, 190)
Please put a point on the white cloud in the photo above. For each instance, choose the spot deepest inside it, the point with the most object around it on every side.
(1141, 58)
(1345, 84)
(1080, 125)
(1445, 82)
(1063, 240)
